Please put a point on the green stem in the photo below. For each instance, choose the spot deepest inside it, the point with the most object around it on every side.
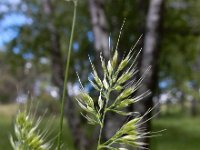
(103, 120)
(100, 134)
(66, 77)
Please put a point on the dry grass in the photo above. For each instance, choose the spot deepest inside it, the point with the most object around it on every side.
(8, 110)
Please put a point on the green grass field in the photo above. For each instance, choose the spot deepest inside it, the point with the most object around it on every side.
(183, 133)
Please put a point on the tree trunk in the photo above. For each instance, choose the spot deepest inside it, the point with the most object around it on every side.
(100, 26)
(149, 58)
(57, 64)
(182, 102)
(193, 107)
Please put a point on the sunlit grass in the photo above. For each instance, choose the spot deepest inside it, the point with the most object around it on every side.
(8, 110)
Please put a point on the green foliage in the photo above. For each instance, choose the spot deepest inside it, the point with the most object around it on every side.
(180, 25)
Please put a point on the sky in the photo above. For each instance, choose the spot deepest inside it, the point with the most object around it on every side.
(10, 21)
(8, 25)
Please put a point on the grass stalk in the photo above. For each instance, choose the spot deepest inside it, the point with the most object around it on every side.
(66, 77)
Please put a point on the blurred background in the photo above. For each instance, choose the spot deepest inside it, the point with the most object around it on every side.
(34, 37)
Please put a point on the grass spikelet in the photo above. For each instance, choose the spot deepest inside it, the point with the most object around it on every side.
(28, 136)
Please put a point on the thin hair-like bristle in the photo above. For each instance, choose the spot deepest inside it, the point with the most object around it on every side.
(120, 32)
(79, 80)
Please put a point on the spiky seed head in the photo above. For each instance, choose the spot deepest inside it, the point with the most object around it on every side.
(125, 77)
(114, 59)
(85, 97)
(110, 68)
(115, 80)
(27, 134)
(105, 83)
(123, 64)
(100, 102)
(97, 79)
(125, 94)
